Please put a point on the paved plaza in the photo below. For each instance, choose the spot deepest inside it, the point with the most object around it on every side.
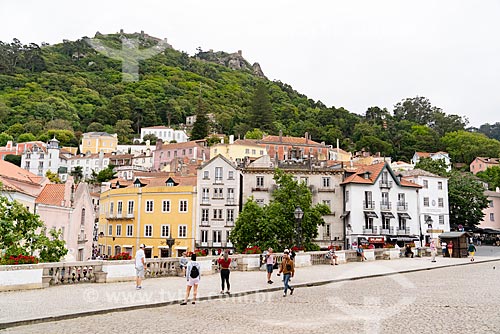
(455, 296)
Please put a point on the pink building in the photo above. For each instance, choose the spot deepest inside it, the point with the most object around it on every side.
(481, 164)
(191, 150)
(69, 207)
(492, 212)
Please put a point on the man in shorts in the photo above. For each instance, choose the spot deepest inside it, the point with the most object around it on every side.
(270, 260)
(140, 264)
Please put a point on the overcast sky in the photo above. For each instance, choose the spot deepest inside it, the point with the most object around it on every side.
(352, 54)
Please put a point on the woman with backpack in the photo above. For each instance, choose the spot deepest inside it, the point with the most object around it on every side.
(193, 274)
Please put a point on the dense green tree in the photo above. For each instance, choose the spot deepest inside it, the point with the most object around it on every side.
(254, 134)
(418, 110)
(77, 173)
(13, 159)
(53, 177)
(23, 233)
(274, 225)
(466, 200)
(465, 146)
(151, 137)
(374, 145)
(437, 167)
(261, 116)
(123, 129)
(4, 138)
(201, 125)
(15, 130)
(491, 130)
(26, 137)
(106, 174)
(491, 176)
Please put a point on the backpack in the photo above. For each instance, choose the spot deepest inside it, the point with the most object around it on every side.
(194, 272)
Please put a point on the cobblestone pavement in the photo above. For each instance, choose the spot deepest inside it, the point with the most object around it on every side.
(458, 299)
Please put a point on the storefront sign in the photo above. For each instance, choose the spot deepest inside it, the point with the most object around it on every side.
(376, 240)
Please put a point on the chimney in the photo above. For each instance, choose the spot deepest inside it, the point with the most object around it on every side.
(307, 137)
(281, 136)
(497, 190)
(231, 139)
(240, 53)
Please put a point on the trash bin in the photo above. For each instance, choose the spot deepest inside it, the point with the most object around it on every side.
(419, 252)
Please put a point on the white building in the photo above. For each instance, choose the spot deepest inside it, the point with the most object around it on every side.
(323, 182)
(434, 211)
(98, 162)
(165, 133)
(218, 184)
(380, 207)
(40, 158)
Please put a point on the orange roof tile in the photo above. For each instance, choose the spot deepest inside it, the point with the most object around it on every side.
(12, 171)
(289, 140)
(52, 194)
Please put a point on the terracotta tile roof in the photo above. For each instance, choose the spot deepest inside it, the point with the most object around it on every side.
(248, 142)
(8, 186)
(373, 173)
(288, 140)
(161, 181)
(173, 146)
(52, 194)
(423, 154)
(151, 174)
(9, 170)
(493, 161)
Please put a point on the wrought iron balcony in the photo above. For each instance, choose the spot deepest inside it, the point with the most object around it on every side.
(385, 184)
(385, 206)
(402, 206)
(368, 205)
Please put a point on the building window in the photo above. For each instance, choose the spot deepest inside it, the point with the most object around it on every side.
(110, 230)
(441, 219)
(148, 230)
(118, 230)
(254, 152)
(259, 201)
(130, 209)
(426, 184)
(230, 194)
(386, 222)
(204, 236)
(426, 201)
(260, 181)
(327, 230)
(230, 215)
(492, 217)
(165, 206)
(347, 196)
(261, 152)
(165, 231)
(440, 202)
(130, 230)
(206, 175)
(111, 208)
(440, 185)
(490, 203)
(204, 215)
(149, 206)
(326, 182)
(183, 206)
(119, 209)
(182, 231)
(368, 223)
(328, 203)
(205, 194)
(247, 151)
(230, 175)
(402, 224)
(217, 214)
(218, 193)
(218, 174)
(304, 180)
(82, 218)
(217, 236)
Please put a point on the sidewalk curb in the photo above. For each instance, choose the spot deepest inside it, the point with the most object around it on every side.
(18, 323)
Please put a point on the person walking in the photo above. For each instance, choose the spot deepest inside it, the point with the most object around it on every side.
(472, 251)
(433, 251)
(140, 264)
(270, 261)
(450, 248)
(224, 262)
(183, 262)
(444, 246)
(193, 275)
(288, 269)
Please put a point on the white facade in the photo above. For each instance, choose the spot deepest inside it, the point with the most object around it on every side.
(324, 184)
(434, 156)
(90, 162)
(40, 159)
(434, 211)
(218, 184)
(379, 208)
(166, 134)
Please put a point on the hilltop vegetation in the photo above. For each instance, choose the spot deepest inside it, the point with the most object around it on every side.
(70, 88)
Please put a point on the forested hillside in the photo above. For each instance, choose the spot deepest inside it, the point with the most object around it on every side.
(69, 88)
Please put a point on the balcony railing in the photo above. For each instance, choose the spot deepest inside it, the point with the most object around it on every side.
(404, 231)
(205, 223)
(230, 201)
(218, 180)
(402, 206)
(385, 206)
(368, 205)
(369, 230)
(384, 231)
(229, 223)
(385, 184)
(205, 201)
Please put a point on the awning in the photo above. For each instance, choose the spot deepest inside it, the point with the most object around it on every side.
(388, 215)
(404, 215)
(345, 214)
(448, 235)
(406, 238)
(371, 214)
(127, 246)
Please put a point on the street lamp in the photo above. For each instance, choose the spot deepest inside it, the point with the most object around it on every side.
(299, 214)
(429, 222)
(170, 242)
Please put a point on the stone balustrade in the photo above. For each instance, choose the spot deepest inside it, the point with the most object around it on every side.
(42, 275)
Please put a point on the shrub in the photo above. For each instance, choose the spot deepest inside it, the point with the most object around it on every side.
(252, 250)
(121, 256)
(20, 259)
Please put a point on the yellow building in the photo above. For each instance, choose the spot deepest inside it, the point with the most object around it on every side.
(149, 211)
(95, 142)
(239, 149)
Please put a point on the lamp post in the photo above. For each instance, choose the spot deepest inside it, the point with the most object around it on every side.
(170, 242)
(429, 222)
(299, 214)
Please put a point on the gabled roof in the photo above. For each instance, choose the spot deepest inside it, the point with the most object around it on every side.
(52, 194)
(370, 173)
(229, 162)
(492, 161)
(174, 146)
(246, 142)
(418, 172)
(9, 170)
(162, 181)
